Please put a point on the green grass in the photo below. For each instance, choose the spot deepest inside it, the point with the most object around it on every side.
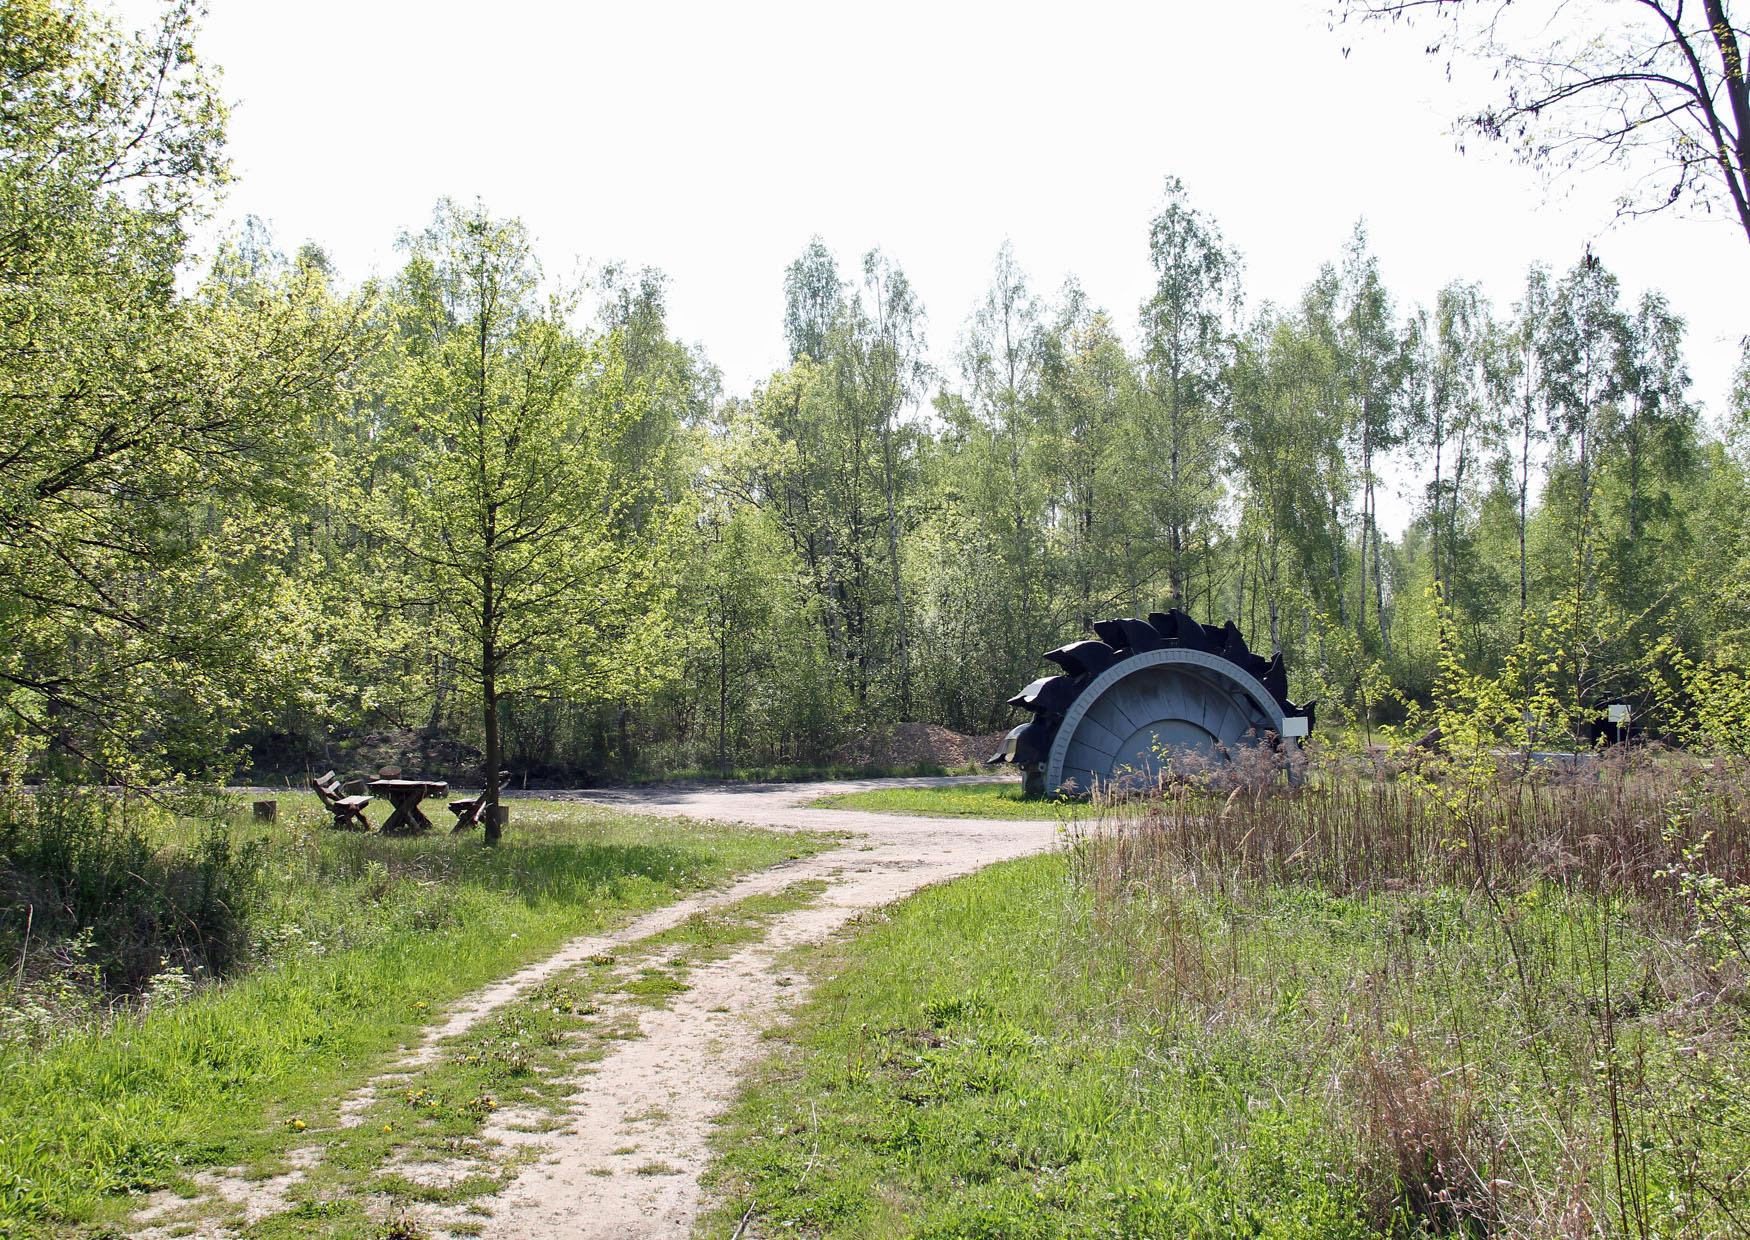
(1001, 1058)
(358, 941)
(1002, 799)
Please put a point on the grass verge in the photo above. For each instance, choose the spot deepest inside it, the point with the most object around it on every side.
(1011, 1055)
(357, 941)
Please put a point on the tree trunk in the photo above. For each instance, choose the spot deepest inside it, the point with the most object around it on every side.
(722, 688)
(1524, 491)
(1337, 539)
(1737, 90)
(1379, 595)
(489, 698)
(1275, 614)
(1434, 525)
(900, 621)
(1366, 515)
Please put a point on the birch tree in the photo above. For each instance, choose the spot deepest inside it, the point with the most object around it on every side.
(1187, 332)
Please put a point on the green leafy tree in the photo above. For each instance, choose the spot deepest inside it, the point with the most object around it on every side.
(1523, 390)
(1103, 534)
(1001, 361)
(1584, 340)
(500, 498)
(882, 371)
(156, 444)
(1372, 354)
(1283, 373)
(1187, 344)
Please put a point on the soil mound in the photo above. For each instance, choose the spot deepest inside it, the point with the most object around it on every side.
(912, 744)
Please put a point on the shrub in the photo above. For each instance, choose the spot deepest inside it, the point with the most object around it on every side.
(120, 891)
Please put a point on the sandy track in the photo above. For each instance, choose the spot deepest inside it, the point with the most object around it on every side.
(628, 1162)
(627, 1159)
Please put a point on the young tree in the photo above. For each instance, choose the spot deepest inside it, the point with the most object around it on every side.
(1454, 425)
(1335, 410)
(882, 360)
(1371, 353)
(1524, 389)
(1650, 436)
(1282, 373)
(1001, 360)
(504, 422)
(1584, 338)
(814, 300)
(1104, 490)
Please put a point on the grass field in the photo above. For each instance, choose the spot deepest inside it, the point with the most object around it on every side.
(987, 800)
(355, 943)
(1322, 1018)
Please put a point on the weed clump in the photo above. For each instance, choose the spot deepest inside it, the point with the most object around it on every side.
(102, 898)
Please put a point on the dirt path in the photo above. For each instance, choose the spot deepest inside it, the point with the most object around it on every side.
(628, 1162)
(625, 1159)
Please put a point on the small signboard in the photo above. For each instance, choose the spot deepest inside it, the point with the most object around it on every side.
(1294, 727)
(1617, 712)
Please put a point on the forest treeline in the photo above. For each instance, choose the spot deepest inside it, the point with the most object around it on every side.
(251, 509)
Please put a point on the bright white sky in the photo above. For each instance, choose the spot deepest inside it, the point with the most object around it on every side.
(712, 140)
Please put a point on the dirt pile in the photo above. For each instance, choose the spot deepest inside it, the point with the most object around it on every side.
(911, 744)
(419, 753)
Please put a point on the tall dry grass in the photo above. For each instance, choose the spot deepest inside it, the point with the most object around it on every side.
(1546, 1029)
(1617, 822)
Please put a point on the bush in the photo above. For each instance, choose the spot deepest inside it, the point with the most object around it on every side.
(120, 891)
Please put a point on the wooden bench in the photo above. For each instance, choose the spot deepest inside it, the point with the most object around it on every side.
(346, 810)
(469, 809)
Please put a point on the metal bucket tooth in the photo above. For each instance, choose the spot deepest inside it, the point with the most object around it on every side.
(1139, 635)
(1047, 694)
(1113, 634)
(1275, 679)
(1087, 658)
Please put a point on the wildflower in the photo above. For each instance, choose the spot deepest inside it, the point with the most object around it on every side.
(296, 1124)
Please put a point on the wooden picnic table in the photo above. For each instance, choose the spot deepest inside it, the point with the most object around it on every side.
(405, 795)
